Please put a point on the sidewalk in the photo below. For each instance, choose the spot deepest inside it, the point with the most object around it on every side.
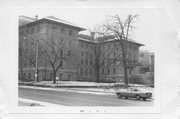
(75, 84)
(64, 84)
(94, 91)
(32, 103)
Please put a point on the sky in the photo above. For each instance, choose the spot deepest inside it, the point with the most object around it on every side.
(147, 25)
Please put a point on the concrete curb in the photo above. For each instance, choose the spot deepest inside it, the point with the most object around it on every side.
(60, 86)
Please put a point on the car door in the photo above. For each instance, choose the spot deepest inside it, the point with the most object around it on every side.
(131, 94)
(128, 92)
(134, 92)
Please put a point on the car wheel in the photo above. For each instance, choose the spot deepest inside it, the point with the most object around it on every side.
(138, 97)
(126, 97)
(144, 99)
(119, 95)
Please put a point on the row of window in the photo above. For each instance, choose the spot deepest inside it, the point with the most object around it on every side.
(86, 62)
(86, 71)
(61, 30)
(30, 76)
(87, 54)
(107, 45)
(32, 29)
(55, 29)
(116, 44)
(108, 70)
(86, 45)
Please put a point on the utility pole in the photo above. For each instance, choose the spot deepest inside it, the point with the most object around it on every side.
(36, 69)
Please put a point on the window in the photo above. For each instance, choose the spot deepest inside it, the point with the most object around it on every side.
(86, 72)
(29, 76)
(109, 45)
(27, 31)
(114, 54)
(38, 28)
(81, 70)
(69, 53)
(82, 61)
(91, 62)
(81, 44)
(114, 70)
(90, 55)
(114, 62)
(70, 32)
(86, 61)
(92, 46)
(54, 27)
(62, 30)
(61, 53)
(108, 71)
(86, 54)
(61, 63)
(82, 53)
(134, 56)
(24, 76)
(102, 71)
(109, 61)
(129, 71)
(60, 77)
(114, 45)
(70, 43)
(103, 54)
(32, 30)
(69, 77)
(90, 72)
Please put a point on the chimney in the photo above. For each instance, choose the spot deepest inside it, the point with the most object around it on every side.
(36, 17)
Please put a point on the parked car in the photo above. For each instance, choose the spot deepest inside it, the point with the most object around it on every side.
(132, 92)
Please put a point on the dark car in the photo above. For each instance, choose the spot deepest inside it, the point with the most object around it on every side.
(133, 93)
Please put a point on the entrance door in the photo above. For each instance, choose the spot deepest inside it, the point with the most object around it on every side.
(69, 77)
(60, 77)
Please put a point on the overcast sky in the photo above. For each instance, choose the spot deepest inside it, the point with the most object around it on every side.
(147, 25)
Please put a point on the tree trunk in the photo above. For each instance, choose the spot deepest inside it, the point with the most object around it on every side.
(125, 76)
(54, 76)
(124, 64)
(37, 75)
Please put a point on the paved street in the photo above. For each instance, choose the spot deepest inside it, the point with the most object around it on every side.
(78, 99)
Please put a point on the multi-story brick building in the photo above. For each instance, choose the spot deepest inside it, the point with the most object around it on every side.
(86, 59)
(81, 66)
(109, 60)
(45, 29)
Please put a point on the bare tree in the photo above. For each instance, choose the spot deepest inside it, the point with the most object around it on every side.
(101, 59)
(119, 30)
(96, 64)
(55, 51)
